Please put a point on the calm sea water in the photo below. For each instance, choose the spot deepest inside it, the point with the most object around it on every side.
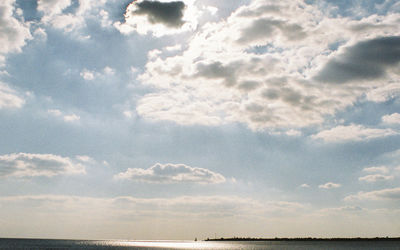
(247, 245)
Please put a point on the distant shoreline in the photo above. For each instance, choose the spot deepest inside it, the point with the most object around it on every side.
(307, 239)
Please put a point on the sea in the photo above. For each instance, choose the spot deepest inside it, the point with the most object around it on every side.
(38, 244)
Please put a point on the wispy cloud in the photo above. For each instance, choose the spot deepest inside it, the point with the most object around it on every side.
(384, 194)
(378, 169)
(353, 132)
(205, 207)
(376, 177)
(9, 98)
(329, 185)
(391, 119)
(65, 117)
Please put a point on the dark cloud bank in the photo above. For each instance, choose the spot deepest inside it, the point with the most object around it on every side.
(168, 13)
(367, 60)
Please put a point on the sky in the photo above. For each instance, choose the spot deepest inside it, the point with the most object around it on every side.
(158, 119)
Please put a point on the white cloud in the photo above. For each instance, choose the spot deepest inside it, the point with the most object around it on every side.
(379, 169)
(384, 93)
(85, 158)
(13, 33)
(353, 132)
(384, 194)
(259, 67)
(40, 34)
(68, 23)
(293, 132)
(29, 165)
(391, 119)
(54, 112)
(305, 185)
(66, 118)
(128, 114)
(329, 185)
(53, 7)
(90, 75)
(108, 70)
(9, 97)
(87, 74)
(376, 177)
(172, 173)
(71, 118)
(105, 21)
(54, 15)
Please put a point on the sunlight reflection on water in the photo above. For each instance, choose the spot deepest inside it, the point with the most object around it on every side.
(175, 244)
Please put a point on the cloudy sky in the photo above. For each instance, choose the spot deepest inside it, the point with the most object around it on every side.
(181, 119)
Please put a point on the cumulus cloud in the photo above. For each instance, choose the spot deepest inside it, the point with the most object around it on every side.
(366, 60)
(29, 165)
(258, 67)
(353, 132)
(376, 177)
(9, 97)
(305, 185)
(13, 32)
(384, 194)
(329, 185)
(391, 119)
(171, 173)
(158, 17)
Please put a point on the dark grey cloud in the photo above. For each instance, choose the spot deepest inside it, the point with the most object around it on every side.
(268, 8)
(248, 85)
(264, 28)
(367, 60)
(168, 13)
(217, 70)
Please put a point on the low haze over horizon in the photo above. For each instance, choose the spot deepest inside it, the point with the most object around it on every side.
(196, 118)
